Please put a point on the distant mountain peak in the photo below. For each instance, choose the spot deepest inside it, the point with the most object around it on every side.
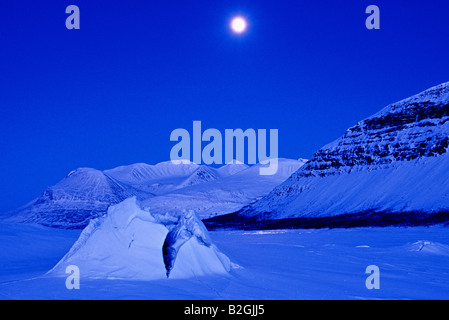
(201, 175)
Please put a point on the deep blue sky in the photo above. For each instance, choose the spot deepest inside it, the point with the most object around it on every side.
(110, 93)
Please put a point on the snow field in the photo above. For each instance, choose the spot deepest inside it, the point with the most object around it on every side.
(279, 264)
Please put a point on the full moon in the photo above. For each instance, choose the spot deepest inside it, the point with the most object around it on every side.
(238, 25)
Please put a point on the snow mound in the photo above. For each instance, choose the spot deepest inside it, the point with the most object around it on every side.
(128, 243)
(429, 247)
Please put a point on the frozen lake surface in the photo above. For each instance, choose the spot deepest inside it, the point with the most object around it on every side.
(279, 264)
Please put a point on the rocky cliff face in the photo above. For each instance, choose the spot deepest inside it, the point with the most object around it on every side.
(403, 131)
(393, 161)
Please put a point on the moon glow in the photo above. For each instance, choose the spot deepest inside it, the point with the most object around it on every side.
(238, 25)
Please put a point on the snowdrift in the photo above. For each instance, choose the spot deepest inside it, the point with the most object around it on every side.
(130, 243)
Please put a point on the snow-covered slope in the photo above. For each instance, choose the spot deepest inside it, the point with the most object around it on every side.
(395, 161)
(201, 175)
(231, 168)
(130, 243)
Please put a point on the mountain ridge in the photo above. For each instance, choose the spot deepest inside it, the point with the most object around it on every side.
(86, 193)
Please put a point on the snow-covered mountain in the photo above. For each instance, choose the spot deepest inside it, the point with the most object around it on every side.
(394, 162)
(82, 194)
(156, 179)
(163, 188)
(223, 195)
(85, 193)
